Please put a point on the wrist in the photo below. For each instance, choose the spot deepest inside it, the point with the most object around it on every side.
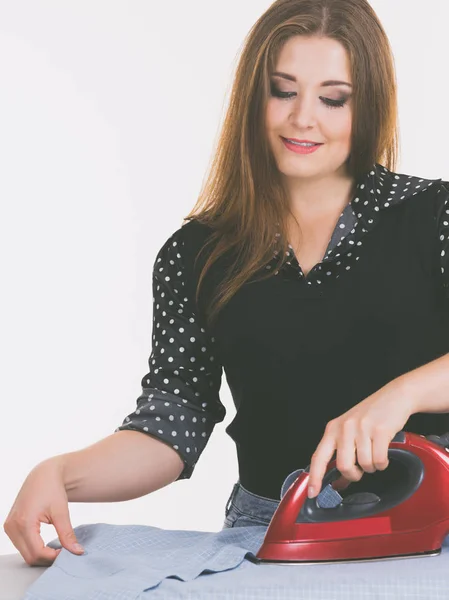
(408, 392)
(56, 464)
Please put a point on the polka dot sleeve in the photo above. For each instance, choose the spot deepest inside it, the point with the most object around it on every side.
(442, 218)
(180, 401)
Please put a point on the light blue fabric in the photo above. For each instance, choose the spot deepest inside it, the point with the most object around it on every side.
(131, 562)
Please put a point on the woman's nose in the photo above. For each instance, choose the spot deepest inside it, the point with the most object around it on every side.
(303, 113)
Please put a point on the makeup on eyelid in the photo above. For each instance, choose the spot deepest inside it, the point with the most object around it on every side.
(276, 92)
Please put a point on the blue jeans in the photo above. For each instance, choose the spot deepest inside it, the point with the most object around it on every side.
(244, 508)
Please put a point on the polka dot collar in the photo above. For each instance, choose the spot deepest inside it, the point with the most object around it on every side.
(377, 190)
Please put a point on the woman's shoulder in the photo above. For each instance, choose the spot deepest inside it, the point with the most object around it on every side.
(412, 193)
(184, 243)
(193, 228)
(192, 235)
(400, 186)
(189, 233)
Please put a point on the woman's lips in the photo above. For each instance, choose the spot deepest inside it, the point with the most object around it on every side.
(300, 149)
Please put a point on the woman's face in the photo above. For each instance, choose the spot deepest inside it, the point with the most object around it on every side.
(303, 107)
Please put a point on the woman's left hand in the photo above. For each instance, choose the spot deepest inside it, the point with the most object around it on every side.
(361, 436)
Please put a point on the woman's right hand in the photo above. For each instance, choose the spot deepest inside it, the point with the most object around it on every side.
(41, 499)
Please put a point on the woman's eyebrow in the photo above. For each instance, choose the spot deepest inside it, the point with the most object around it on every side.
(324, 84)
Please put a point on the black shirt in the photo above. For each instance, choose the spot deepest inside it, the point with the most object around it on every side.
(299, 351)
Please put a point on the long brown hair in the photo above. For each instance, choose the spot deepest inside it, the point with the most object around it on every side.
(242, 198)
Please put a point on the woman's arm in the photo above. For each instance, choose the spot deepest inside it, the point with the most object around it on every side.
(122, 466)
(427, 387)
(361, 436)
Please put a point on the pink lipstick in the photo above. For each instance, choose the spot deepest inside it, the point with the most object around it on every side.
(295, 147)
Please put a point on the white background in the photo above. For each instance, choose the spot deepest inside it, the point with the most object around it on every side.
(109, 112)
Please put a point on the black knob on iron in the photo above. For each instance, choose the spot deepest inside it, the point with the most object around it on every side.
(361, 498)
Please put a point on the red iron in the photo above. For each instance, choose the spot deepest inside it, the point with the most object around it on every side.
(411, 518)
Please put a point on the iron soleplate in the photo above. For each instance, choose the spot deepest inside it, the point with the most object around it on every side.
(296, 563)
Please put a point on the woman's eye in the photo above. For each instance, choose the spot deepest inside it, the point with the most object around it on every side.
(279, 94)
(334, 103)
(327, 101)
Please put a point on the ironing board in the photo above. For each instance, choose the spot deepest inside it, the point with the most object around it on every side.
(16, 576)
(131, 562)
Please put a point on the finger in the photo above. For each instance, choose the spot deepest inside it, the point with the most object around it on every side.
(40, 554)
(26, 538)
(318, 465)
(380, 447)
(341, 483)
(364, 453)
(346, 454)
(64, 529)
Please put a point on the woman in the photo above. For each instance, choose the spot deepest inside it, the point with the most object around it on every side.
(319, 331)
(309, 271)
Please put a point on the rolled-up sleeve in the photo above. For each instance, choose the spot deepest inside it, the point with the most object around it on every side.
(180, 402)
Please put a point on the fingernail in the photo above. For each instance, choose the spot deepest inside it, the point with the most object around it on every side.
(311, 492)
(78, 548)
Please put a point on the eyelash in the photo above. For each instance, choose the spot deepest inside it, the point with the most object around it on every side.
(327, 101)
